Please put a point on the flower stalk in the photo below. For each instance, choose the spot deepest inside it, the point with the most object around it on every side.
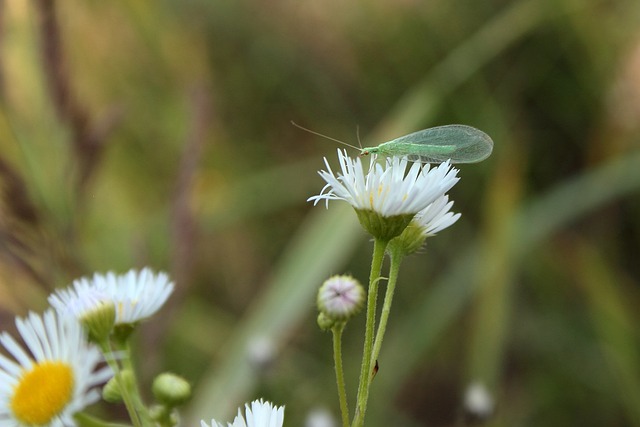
(396, 257)
(337, 359)
(123, 384)
(379, 248)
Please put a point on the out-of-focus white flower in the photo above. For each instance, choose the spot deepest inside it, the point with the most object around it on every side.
(320, 417)
(136, 295)
(261, 351)
(260, 414)
(478, 402)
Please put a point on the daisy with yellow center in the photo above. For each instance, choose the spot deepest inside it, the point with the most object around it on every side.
(51, 379)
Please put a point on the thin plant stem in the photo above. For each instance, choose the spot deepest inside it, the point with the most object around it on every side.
(83, 419)
(163, 416)
(337, 357)
(139, 405)
(396, 259)
(379, 248)
(124, 390)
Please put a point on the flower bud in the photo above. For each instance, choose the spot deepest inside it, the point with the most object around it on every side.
(324, 322)
(340, 298)
(171, 389)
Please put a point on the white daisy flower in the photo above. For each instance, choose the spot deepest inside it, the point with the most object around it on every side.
(388, 196)
(136, 295)
(387, 189)
(261, 414)
(53, 378)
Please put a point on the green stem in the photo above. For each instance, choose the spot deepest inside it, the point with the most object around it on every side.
(379, 247)
(396, 259)
(137, 401)
(107, 351)
(163, 416)
(337, 357)
(83, 419)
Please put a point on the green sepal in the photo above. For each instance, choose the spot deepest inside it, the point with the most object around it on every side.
(99, 321)
(325, 322)
(122, 332)
(381, 227)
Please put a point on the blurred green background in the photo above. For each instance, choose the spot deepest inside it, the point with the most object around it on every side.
(158, 133)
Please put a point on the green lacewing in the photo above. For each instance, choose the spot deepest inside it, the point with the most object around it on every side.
(456, 143)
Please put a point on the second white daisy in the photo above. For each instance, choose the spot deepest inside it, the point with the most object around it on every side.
(135, 295)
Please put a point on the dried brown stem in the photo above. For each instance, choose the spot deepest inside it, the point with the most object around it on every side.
(87, 143)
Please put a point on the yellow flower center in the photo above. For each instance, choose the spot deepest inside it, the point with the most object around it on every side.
(42, 393)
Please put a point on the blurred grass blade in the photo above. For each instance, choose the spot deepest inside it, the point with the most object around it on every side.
(492, 308)
(322, 246)
(614, 322)
(223, 207)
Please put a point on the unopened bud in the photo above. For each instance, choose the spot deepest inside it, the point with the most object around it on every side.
(171, 389)
(340, 298)
(324, 322)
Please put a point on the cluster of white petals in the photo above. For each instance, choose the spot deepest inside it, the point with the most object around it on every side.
(436, 217)
(260, 414)
(136, 295)
(388, 188)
